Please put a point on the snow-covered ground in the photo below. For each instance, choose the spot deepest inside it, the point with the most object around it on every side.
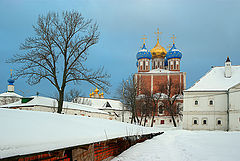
(183, 145)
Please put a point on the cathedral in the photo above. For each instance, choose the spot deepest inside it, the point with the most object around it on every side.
(158, 68)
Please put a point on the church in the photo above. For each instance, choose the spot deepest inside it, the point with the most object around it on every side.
(158, 68)
(10, 96)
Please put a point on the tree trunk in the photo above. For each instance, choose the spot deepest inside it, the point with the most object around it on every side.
(60, 101)
(174, 122)
(154, 111)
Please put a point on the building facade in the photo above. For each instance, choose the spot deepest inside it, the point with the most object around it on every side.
(213, 102)
(157, 69)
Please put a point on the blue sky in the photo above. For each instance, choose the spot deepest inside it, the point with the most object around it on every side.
(207, 32)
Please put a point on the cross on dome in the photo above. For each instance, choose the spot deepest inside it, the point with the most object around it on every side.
(173, 38)
(158, 33)
(144, 39)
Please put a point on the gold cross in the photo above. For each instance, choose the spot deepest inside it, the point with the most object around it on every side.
(169, 46)
(157, 33)
(144, 38)
(11, 71)
(173, 37)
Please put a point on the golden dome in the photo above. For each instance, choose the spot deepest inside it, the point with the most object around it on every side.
(96, 90)
(158, 51)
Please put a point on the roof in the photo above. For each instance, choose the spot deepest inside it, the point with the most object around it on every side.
(49, 102)
(26, 132)
(214, 80)
(9, 94)
(101, 103)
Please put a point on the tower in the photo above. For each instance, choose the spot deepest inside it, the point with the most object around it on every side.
(228, 70)
(158, 54)
(10, 83)
(143, 58)
(173, 57)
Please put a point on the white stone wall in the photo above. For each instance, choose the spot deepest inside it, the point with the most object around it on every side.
(234, 108)
(205, 111)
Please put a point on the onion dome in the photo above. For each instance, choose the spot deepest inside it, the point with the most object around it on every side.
(174, 53)
(96, 90)
(144, 53)
(10, 81)
(158, 51)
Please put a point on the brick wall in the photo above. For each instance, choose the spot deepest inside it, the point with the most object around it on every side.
(105, 150)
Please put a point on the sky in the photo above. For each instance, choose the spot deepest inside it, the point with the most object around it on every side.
(206, 33)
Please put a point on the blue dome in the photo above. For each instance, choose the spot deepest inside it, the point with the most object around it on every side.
(144, 53)
(174, 53)
(10, 81)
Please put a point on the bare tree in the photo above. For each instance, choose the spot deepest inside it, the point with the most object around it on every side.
(58, 52)
(169, 103)
(72, 94)
(128, 96)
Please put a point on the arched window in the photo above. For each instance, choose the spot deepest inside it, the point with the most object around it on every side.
(143, 65)
(195, 122)
(196, 102)
(153, 64)
(174, 63)
(211, 102)
(219, 122)
(204, 121)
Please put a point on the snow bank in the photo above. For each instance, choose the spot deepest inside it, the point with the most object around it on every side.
(183, 145)
(26, 132)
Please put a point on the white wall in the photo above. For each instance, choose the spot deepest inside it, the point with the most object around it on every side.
(234, 108)
(205, 111)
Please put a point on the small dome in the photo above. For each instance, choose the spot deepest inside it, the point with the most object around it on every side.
(10, 81)
(158, 51)
(174, 53)
(96, 90)
(144, 53)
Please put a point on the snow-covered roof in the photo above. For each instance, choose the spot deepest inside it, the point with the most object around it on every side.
(101, 103)
(10, 94)
(26, 132)
(215, 80)
(49, 102)
(160, 71)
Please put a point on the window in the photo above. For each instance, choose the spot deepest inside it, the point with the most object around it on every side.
(196, 102)
(162, 122)
(211, 102)
(160, 109)
(219, 122)
(143, 65)
(195, 122)
(204, 122)
(170, 120)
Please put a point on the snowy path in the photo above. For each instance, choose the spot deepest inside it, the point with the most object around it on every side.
(182, 145)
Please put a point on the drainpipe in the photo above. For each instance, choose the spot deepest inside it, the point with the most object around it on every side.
(228, 110)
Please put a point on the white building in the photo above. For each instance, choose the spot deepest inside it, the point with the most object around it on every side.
(213, 103)
(113, 107)
(10, 96)
(39, 103)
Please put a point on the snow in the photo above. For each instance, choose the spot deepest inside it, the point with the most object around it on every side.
(183, 145)
(26, 132)
(214, 80)
(9, 94)
(100, 103)
(49, 102)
